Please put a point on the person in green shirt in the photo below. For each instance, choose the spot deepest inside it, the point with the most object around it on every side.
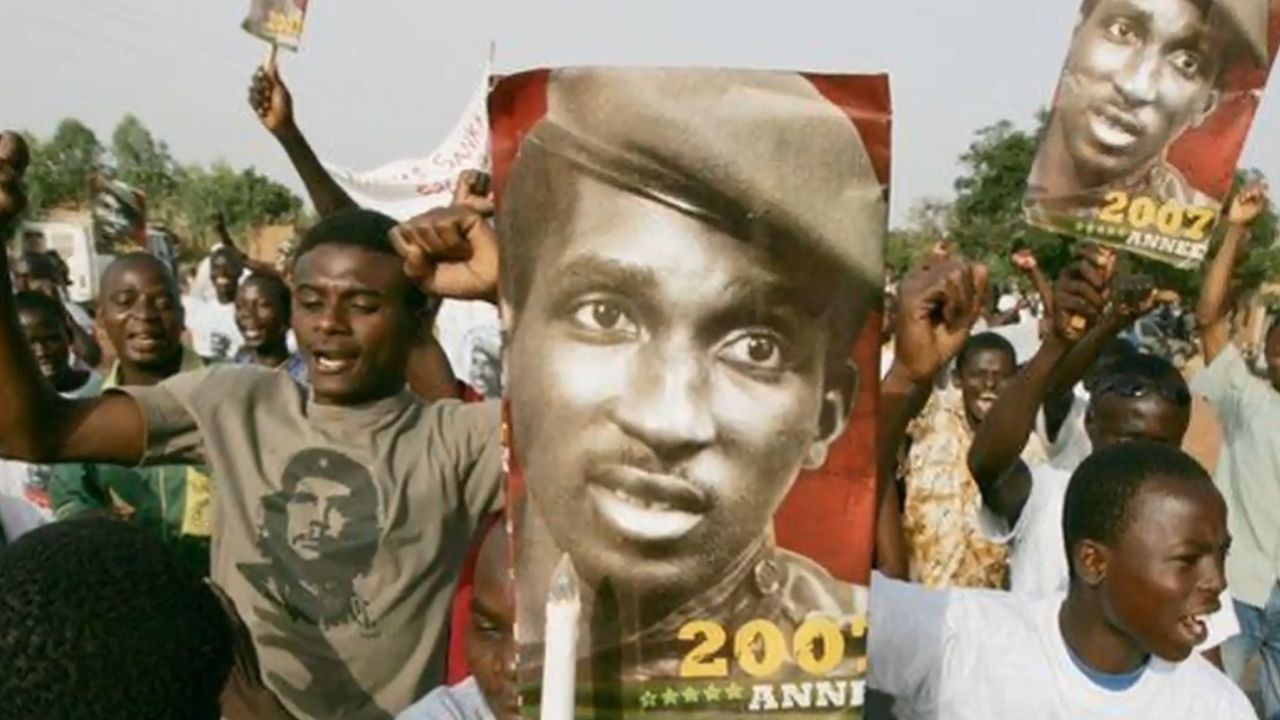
(141, 313)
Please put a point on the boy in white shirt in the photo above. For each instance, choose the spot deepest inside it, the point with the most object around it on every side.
(1146, 536)
(214, 333)
(1135, 397)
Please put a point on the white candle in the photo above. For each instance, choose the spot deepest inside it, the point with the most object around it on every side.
(560, 656)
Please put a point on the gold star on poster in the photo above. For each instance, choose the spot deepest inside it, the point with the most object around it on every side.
(733, 692)
(670, 697)
(648, 700)
(691, 695)
(712, 693)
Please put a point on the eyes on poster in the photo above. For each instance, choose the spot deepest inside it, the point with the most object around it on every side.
(692, 276)
(1151, 113)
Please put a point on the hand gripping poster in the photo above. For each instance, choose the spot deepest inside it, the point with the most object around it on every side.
(1151, 114)
(692, 270)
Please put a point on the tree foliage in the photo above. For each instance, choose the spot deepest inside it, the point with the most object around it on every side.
(184, 197)
(62, 167)
(143, 162)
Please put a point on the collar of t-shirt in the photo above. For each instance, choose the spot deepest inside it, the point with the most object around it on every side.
(1108, 681)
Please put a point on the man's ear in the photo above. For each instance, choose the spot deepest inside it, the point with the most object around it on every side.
(837, 405)
(1089, 560)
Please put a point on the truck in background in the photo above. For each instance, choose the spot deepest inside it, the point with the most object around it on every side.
(86, 258)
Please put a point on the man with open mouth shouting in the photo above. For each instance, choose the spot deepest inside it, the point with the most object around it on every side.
(343, 508)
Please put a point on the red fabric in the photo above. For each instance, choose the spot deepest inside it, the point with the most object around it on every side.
(1207, 154)
(456, 668)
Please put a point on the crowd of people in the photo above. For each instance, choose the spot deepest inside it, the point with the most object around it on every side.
(265, 505)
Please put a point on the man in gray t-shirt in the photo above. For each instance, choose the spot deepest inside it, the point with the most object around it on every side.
(344, 509)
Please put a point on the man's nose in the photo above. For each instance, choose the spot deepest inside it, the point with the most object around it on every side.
(666, 401)
(1137, 80)
(333, 320)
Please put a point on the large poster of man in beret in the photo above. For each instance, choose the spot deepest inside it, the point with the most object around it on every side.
(1152, 111)
(692, 268)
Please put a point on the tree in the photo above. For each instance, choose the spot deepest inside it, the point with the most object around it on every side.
(143, 162)
(987, 218)
(246, 198)
(62, 168)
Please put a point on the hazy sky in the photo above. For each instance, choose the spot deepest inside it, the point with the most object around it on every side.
(379, 80)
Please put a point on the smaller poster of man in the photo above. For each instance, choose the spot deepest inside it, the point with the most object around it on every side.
(277, 21)
(1151, 113)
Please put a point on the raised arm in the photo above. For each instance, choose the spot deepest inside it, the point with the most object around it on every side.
(36, 423)
(256, 267)
(1025, 261)
(994, 456)
(938, 304)
(271, 100)
(1215, 293)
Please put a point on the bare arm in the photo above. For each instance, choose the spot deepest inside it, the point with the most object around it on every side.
(272, 102)
(994, 455)
(1043, 288)
(256, 267)
(429, 372)
(1026, 263)
(1004, 432)
(901, 400)
(1211, 309)
(1215, 293)
(939, 303)
(36, 423)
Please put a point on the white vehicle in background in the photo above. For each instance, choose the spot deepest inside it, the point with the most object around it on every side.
(75, 243)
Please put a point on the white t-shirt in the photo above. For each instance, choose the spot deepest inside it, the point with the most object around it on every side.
(990, 655)
(463, 701)
(1038, 548)
(1072, 444)
(214, 333)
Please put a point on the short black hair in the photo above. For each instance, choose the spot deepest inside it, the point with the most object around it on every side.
(368, 230)
(985, 341)
(31, 301)
(226, 252)
(279, 286)
(39, 265)
(1149, 370)
(1100, 495)
(99, 619)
